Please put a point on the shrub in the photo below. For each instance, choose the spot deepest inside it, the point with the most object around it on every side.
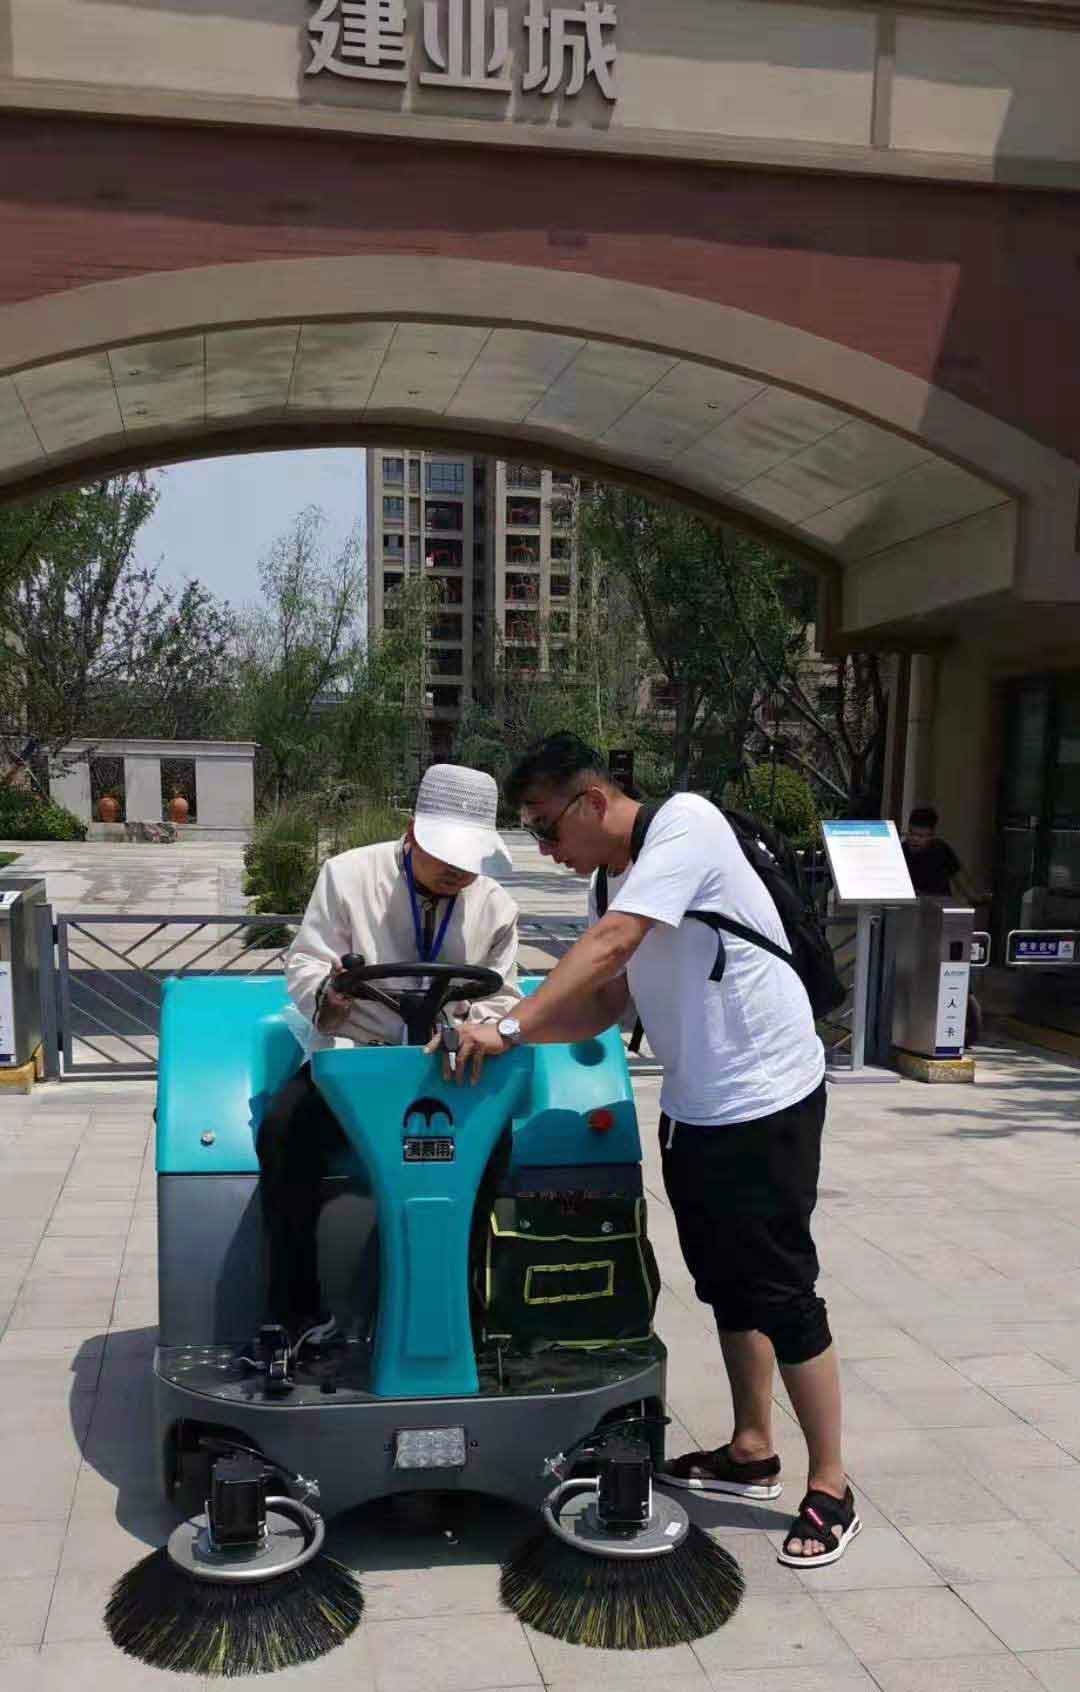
(24, 815)
(366, 826)
(282, 861)
(778, 795)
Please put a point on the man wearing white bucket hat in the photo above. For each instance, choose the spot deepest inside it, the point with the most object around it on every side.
(426, 898)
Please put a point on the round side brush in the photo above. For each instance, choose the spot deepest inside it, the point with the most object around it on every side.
(618, 1566)
(244, 1589)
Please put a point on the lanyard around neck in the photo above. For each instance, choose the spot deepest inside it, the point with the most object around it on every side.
(426, 954)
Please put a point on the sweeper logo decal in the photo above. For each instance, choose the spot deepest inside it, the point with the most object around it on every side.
(425, 1144)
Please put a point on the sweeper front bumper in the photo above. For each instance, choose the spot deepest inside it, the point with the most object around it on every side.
(362, 1447)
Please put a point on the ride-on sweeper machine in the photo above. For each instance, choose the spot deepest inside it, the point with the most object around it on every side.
(483, 1248)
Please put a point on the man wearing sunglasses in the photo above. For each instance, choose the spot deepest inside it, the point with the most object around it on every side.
(743, 1099)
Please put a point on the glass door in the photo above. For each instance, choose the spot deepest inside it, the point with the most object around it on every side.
(1022, 819)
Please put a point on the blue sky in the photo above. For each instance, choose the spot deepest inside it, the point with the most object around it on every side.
(216, 518)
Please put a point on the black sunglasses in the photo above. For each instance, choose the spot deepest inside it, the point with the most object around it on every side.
(547, 833)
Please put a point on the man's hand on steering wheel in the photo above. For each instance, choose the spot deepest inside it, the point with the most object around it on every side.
(475, 1042)
(333, 1007)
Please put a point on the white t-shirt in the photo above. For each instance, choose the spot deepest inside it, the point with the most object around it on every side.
(735, 1049)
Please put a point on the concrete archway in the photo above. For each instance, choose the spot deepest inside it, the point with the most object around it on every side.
(896, 490)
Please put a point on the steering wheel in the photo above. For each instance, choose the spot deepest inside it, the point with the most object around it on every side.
(419, 1006)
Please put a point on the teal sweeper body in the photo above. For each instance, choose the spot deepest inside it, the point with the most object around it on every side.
(422, 1394)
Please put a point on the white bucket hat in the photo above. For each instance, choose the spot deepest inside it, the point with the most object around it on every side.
(455, 816)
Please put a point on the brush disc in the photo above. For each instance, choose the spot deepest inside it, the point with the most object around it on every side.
(623, 1604)
(171, 1620)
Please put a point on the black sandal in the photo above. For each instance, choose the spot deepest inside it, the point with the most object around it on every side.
(720, 1472)
(832, 1522)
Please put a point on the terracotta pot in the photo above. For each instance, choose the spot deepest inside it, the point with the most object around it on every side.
(178, 808)
(108, 810)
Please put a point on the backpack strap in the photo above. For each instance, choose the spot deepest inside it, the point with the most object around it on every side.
(642, 824)
(728, 925)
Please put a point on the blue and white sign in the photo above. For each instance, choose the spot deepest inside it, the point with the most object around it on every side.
(868, 864)
(1043, 946)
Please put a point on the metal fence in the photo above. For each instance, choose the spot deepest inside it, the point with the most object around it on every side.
(102, 975)
(101, 989)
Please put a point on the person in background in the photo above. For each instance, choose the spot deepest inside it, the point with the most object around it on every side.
(937, 872)
(932, 864)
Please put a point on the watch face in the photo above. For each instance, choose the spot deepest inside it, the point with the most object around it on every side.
(509, 1028)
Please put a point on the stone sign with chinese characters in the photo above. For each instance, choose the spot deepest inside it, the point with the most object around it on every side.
(467, 44)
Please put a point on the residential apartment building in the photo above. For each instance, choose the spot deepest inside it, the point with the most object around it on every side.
(499, 538)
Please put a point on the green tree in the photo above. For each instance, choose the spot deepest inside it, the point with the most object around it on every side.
(297, 650)
(780, 796)
(66, 572)
(683, 577)
(179, 679)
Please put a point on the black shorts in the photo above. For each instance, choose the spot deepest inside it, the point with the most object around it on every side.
(743, 1195)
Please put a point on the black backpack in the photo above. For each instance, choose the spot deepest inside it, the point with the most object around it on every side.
(772, 858)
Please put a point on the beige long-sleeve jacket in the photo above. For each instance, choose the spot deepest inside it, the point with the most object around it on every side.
(361, 904)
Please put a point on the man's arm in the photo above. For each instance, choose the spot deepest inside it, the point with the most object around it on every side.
(323, 938)
(586, 991)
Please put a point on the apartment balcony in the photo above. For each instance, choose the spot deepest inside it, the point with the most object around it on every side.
(560, 587)
(523, 476)
(446, 666)
(445, 701)
(440, 554)
(519, 553)
(523, 513)
(444, 517)
(523, 588)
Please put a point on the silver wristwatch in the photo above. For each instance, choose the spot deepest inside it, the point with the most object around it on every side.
(510, 1030)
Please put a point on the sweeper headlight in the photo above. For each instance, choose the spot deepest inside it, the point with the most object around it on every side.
(429, 1448)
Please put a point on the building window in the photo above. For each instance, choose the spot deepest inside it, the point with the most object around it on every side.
(391, 581)
(393, 508)
(560, 587)
(523, 513)
(560, 548)
(445, 478)
(444, 663)
(414, 513)
(442, 554)
(562, 514)
(522, 476)
(394, 545)
(414, 549)
(393, 469)
(414, 475)
(444, 514)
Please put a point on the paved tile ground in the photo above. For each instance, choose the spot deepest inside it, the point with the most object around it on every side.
(949, 1229)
